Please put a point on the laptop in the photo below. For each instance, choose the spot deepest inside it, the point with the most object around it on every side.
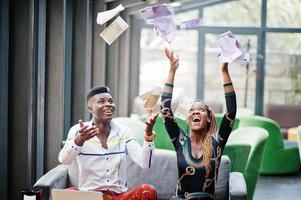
(60, 194)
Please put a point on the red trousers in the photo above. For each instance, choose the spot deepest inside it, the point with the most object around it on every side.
(142, 192)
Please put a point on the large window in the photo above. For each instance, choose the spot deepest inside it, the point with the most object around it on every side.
(235, 13)
(154, 65)
(283, 68)
(284, 13)
(245, 85)
(278, 39)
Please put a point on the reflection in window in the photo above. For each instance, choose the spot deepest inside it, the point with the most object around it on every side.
(284, 13)
(283, 68)
(235, 13)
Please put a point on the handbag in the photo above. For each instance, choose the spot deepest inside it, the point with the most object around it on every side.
(195, 196)
(199, 196)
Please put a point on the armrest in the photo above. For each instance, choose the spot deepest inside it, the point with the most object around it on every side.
(237, 186)
(55, 178)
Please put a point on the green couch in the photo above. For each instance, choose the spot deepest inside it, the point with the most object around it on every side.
(277, 159)
(238, 154)
(219, 117)
(299, 140)
(245, 149)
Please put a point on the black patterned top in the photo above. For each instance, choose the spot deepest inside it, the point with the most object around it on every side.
(187, 164)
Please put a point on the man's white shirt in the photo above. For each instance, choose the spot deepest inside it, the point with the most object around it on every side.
(105, 169)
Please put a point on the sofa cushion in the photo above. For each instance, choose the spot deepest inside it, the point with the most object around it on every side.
(238, 186)
(222, 185)
(163, 173)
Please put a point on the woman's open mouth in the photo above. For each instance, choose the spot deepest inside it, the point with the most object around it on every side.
(196, 119)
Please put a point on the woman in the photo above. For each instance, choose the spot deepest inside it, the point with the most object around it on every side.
(199, 152)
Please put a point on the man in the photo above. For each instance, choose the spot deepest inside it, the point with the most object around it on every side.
(101, 146)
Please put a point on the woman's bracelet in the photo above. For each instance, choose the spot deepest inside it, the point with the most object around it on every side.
(150, 138)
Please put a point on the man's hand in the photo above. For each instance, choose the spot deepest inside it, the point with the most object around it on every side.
(173, 59)
(150, 121)
(85, 133)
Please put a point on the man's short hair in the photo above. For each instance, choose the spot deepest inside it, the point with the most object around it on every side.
(97, 90)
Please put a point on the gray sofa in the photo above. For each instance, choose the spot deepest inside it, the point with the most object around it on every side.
(163, 175)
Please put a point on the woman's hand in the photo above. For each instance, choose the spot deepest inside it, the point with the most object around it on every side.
(173, 59)
(224, 67)
(225, 73)
(150, 121)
